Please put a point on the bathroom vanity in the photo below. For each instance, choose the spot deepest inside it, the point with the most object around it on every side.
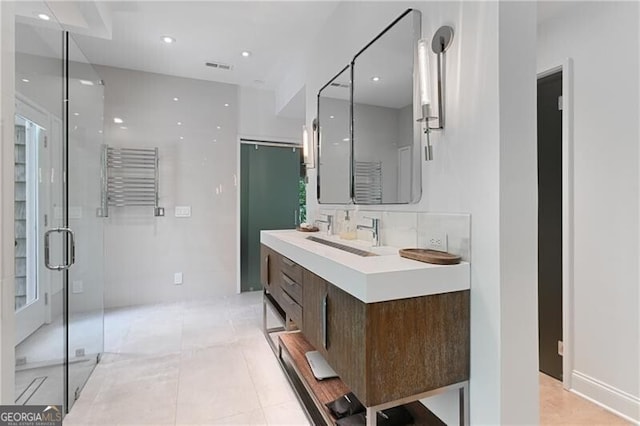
(395, 330)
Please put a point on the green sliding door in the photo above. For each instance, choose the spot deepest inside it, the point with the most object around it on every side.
(270, 178)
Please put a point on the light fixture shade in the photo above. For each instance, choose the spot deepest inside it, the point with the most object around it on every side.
(307, 148)
(423, 76)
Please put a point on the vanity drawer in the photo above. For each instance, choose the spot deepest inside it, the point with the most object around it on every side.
(293, 288)
(292, 308)
(291, 268)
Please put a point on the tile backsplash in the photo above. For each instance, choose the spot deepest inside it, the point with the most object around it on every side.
(411, 229)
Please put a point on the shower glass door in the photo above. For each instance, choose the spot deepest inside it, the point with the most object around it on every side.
(85, 92)
(40, 324)
(59, 237)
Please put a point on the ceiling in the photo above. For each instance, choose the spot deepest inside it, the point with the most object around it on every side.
(128, 35)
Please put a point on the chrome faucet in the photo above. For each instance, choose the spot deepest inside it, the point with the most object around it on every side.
(328, 221)
(374, 228)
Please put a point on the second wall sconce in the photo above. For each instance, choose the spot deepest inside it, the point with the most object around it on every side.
(439, 44)
(309, 145)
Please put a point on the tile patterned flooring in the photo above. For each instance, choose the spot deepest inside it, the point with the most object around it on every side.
(207, 363)
(187, 363)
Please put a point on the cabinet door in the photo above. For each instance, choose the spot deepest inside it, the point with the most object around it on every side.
(270, 270)
(346, 317)
(313, 314)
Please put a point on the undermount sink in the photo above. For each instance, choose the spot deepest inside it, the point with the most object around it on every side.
(373, 251)
(343, 247)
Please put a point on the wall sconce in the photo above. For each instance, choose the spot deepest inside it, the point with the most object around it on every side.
(308, 145)
(439, 44)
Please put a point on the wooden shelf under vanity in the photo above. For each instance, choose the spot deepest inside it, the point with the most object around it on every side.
(293, 347)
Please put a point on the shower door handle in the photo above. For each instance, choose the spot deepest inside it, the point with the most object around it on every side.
(72, 242)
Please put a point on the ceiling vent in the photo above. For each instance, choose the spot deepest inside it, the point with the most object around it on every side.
(219, 65)
(343, 85)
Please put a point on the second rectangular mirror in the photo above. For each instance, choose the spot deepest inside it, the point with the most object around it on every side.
(386, 136)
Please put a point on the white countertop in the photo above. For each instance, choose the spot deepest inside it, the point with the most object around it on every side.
(370, 279)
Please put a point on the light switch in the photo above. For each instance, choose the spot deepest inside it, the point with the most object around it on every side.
(177, 278)
(183, 211)
(77, 287)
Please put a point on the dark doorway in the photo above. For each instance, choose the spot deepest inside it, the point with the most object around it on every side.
(269, 199)
(550, 224)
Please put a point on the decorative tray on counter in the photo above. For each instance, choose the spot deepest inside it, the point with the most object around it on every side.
(430, 256)
(311, 229)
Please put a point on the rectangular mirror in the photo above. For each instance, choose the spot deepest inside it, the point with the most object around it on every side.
(334, 140)
(386, 137)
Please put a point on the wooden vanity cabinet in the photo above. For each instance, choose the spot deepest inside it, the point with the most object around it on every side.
(383, 351)
(390, 350)
(282, 279)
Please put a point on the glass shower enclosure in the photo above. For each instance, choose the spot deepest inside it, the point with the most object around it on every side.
(59, 237)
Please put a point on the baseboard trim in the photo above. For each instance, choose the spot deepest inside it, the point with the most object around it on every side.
(611, 399)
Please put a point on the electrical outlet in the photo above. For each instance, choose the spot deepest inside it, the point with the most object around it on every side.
(437, 241)
(177, 278)
(183, 211)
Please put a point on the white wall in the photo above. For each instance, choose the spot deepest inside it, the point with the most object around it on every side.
(257, 118)
(602, 39)
(143, 252)
(7, 269)
(481, 167)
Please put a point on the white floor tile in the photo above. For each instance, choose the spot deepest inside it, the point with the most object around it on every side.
(202, 362)
(275, 393)
(288, 413)
(255, 417)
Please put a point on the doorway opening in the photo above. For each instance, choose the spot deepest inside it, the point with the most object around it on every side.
(550, 192)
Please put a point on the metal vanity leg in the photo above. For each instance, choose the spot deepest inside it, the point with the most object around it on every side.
(464, 404)
(264, 314)
(372, 419)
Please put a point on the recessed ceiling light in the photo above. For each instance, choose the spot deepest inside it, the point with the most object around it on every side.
(215, 140)
(26, 80)
(345, 140)
(168, 39)
(376, 78)
(44, 16)
(226, 105)
(124, 127)
(86, 82)
(246, 53)
(331, 116)
(181, 137)
(218, 127)
(76, 114)
(336, 143)
(179, 123)
(118, 120)
(100, 131)
(176, 99)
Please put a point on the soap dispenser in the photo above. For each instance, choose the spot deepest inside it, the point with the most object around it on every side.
(348, 229)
